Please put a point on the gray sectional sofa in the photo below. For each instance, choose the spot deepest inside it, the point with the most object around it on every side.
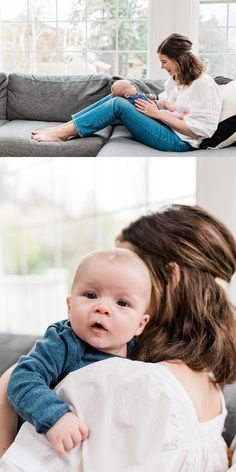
(30, 102)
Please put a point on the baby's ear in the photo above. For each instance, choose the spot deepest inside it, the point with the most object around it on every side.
(127, 95)
(68, 302)
(145, 319)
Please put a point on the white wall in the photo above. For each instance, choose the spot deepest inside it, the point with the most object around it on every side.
(216, 192)
(170, 16)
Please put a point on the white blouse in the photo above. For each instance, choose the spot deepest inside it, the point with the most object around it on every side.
(141, 419)
(201, 100)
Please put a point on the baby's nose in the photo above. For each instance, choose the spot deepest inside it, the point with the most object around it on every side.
(103, 309)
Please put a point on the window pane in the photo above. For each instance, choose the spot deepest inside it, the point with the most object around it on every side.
(71, 36)
(42, 10)
(214, 64)
(43, 63)
(14, 10)
(133, 64)
(230, 66)
(232, 41)
(97, 9)
(15, 36)
(232, 15)
(133, 9)
(132, 35)
(15, 62)
(212, 40)
(71, 10)
(213, 15)
(101, 62)
(102, 35)
(70, 63)
(43, 36)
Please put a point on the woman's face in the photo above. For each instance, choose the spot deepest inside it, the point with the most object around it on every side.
(169, 65)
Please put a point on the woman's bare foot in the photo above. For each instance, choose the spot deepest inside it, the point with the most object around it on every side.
(58, 134)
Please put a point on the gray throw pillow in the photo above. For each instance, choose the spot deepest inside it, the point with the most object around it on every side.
(3, 96)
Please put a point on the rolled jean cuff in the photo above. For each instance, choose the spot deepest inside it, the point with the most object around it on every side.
(75, 125)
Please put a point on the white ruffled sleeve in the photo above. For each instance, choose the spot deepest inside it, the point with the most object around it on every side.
(205, 103)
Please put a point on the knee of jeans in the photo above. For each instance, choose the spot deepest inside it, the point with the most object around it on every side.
(120, 102)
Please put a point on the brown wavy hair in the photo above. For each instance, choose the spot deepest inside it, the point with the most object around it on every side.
(194, 320)
(178, 48)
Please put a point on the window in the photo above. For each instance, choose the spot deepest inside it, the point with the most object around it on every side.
(74, 36)
(54, 211)
(217, 43)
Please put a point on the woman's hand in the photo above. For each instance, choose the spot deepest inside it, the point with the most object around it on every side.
(150, 109)
(67, 433)
(147, 107)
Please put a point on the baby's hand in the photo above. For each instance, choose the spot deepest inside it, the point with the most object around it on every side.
(160, 103)
(152, 96)
(67, 433)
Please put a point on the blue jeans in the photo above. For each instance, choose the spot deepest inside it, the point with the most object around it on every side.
(144, 129)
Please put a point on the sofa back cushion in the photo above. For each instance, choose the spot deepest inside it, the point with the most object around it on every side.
(3, 96)
(144, 85)
(53, 98)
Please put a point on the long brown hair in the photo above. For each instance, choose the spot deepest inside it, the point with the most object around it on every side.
(178, 48)
(194, 319)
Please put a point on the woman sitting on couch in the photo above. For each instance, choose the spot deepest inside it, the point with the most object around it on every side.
(189, 89)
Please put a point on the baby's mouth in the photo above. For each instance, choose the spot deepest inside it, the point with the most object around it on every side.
(98, 327)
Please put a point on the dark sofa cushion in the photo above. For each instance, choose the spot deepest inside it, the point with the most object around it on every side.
(225, 135)
(3, 95)
(53, 98)
(12, 346)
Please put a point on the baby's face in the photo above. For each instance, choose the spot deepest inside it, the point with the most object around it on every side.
(131, 90)
(109, 301)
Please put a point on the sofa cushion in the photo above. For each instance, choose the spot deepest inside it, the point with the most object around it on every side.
(15, 140)
(12, 346)
(225, 135)
(53, 98)
(3, 96)
(121, 144)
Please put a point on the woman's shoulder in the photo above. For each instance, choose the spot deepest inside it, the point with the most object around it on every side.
(205, 80)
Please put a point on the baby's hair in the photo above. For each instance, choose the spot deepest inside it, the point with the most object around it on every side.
(178, 48)
(194, 319)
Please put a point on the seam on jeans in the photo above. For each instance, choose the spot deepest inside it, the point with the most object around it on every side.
(144, 127)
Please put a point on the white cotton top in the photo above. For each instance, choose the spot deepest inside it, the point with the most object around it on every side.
(202, 100)
(141, 419)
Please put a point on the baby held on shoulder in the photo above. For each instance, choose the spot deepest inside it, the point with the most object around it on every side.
(109, 305)
(124, 88)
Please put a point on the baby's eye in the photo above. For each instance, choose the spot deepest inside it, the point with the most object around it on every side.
(90, 295)
(122, 303)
